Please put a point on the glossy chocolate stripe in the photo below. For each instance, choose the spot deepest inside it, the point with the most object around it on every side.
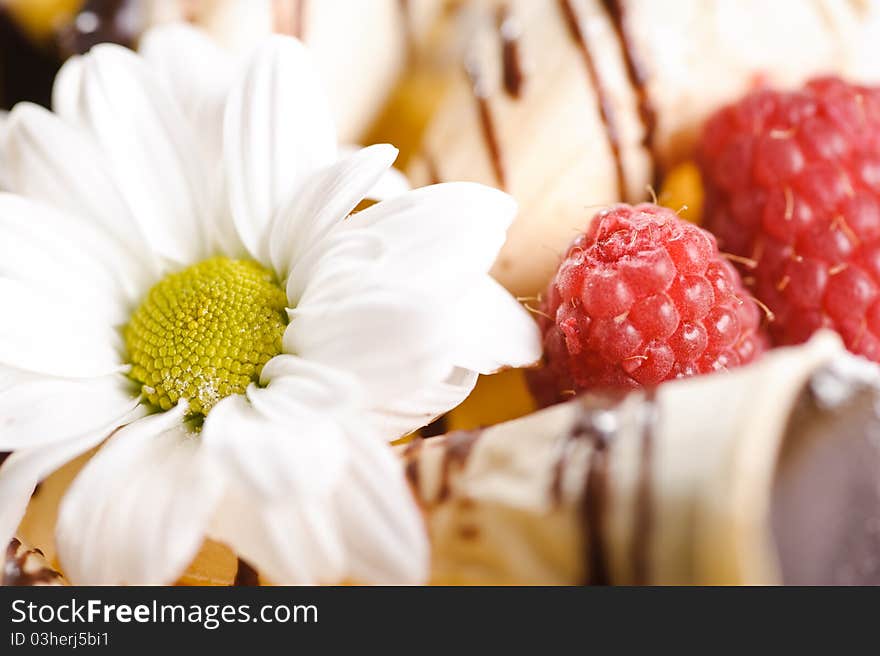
(595, 503)
(605, 109)
(487, 122)
(457, 449)
(411, 457)
(596, 423)
(638, 77)
(511, 63)
(437, 427)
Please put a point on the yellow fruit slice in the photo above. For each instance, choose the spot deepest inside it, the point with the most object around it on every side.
(682, 191)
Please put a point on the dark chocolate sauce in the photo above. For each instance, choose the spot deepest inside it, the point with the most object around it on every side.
(605, 108)
(14, 568)
(245, 575)
(4, 455)
(595, 502)
(644, 516)
(103, 21)
(638, 76)
(411, 457)
(457, 449)
(510, 30)
(596, 424)
(437, 427)
(487, 123)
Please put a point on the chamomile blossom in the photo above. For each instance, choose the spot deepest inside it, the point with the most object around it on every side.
(185, 284)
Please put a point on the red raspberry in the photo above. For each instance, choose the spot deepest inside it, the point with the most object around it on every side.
(793, 184)
(640, 298)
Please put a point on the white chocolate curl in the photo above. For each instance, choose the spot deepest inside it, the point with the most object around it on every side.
(672, 486)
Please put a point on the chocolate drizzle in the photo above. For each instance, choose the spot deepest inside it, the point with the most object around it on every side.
(605, 108)
(596, 423)
(411, 457)
(595, 500)
(289, 17)
(510, 30)
(25, 567)
(638, 77)
(437, 427)
(487, 123)
(644, 520)
(457, 449)
(245, 575)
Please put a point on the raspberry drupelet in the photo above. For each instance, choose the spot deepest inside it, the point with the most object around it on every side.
(640, 298)
(793, 185)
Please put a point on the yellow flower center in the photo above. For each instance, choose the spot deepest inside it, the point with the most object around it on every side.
(205, 333)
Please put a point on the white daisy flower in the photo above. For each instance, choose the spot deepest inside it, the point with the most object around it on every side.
(198, 290)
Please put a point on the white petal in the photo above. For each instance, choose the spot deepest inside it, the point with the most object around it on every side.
(67, 90)
(438, 238)
(51, 161)
(382, 528)
(21, 471)
(10, 377)
(150, 145)
(494, 331)
(341, 263)
(45, 334)
(138, 511)
(42, 411)
(201, 89)
(323, 200)
(205, 78)
(292, 542)
(277, 459)
(403, 415)
(368, 529)
(305, 381)
(391, 184)
(277, 130)
(389, 339)
(71, 258)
